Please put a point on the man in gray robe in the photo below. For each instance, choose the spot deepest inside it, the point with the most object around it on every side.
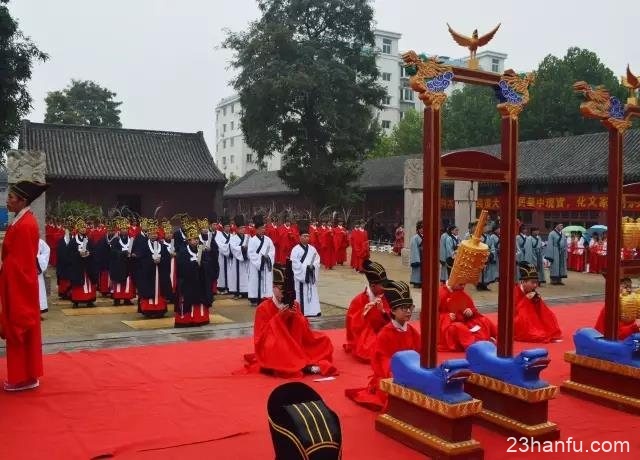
(533, 253)
(488, 275)
(416, 256)
(556, 254)
(448, 248)
(521, 240)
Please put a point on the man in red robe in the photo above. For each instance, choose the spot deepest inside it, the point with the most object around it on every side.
(327, 251)
(359, 246)
(397, 335)
(272, 230)
(534, 321)
(19, 295)
(461, 324)
(285, 345)
(368, 312)
(288, 238)
(626, 327)
(340, 242)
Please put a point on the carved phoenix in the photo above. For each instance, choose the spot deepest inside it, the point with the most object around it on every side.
(474, 42)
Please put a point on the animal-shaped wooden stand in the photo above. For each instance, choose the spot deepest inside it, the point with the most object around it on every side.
(604, 369)
(435, 427)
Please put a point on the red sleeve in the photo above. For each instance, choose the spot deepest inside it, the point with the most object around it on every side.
(383, 350)
(19, 277)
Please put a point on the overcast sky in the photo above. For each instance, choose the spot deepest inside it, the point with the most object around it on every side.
(163, 60)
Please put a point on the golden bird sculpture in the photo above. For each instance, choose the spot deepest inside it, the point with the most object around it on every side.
(472, 43)
(632, 83)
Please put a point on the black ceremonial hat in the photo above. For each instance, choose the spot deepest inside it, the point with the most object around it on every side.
(28, 190)
(239, 220)
(303, 227)
(527, 271)
(398, 294)
(258, 221)
(374, 272)
(301, 424)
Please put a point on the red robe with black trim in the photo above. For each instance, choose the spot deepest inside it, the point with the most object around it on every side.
(363, 323)
(390, 340)
(533, 321)
(459, 333)
(625, 328)
(20, 318)
(285, 343)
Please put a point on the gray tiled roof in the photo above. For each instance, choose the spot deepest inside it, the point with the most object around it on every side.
(562, 160)
(84, 152)
(257, 183)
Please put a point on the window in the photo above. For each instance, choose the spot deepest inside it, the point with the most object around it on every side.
(495, 65)
(224, 161)
(224, 128)
(407, 94)
(386, 45)
(386, 124)
(224, 143)
(231, 127)
(249, 158)
(231, 145)
(401, 115)
(224, 111)
(231, 159)
(387, 100)
(386, 76)
(232, 109)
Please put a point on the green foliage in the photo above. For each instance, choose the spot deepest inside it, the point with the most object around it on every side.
(470, 118)
(83, 103)
(308, 84)
(62, 209)
(18, 54)
(405, 139)
(553, 109)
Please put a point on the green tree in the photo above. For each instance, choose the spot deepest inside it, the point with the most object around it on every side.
(470, 118)
(83, 103)
(405, 139)
(308, 86)
(383, 147)
(553, 109)
(18, 54)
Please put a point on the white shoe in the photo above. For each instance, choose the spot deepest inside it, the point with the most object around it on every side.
(21, 386)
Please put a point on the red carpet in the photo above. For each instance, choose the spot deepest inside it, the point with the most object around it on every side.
(181, 401)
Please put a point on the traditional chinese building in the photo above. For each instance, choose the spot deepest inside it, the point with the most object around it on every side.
(560, 180)
(140, 169)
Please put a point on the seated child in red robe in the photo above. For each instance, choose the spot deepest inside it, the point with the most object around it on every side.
(534, 321)
(461, 324)
(285, 345)
(626, 326)
(368, 312)
(397, 335)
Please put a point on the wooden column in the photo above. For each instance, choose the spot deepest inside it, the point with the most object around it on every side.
(431, 243)
(508, 232)
(614, 222)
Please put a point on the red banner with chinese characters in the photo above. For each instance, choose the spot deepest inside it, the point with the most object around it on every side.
(582, 202)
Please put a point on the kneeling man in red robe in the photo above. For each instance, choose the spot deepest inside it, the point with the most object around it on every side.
(368, 312)
(626, 326)
(534, 321)
(284, 343)
(461, 324)
(397, 335)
